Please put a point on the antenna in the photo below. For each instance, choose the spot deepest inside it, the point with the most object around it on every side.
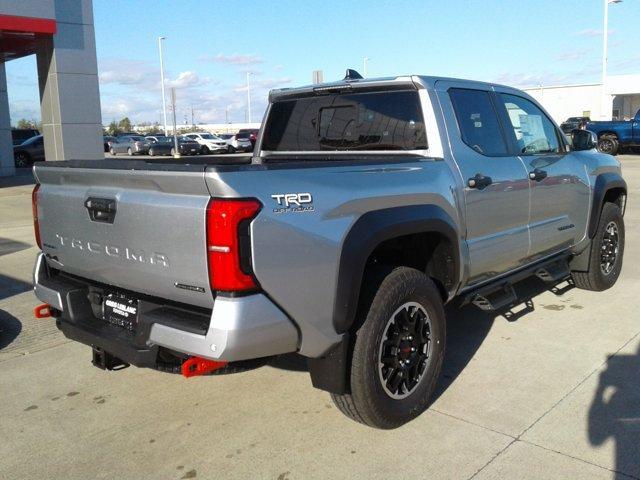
(352, 75)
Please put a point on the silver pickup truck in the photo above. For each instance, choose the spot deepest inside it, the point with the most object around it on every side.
(367, 206)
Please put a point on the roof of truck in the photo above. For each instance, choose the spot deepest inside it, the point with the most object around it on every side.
(427, 81)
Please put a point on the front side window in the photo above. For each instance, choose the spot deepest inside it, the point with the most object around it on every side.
(478, 121)
(533, 132)
(389, 120)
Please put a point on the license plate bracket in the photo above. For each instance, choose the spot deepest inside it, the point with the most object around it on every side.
(121, 310)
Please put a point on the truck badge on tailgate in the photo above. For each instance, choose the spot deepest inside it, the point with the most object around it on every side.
(293, 202)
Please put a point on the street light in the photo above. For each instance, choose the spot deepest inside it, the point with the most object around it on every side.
(248, 99)
(605, 42)
(164, 103)
(365, 60)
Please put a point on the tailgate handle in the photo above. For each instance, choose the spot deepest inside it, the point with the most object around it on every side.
(101, 209)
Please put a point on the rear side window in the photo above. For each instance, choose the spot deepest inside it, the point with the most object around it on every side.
(390, 120)
(478, 121)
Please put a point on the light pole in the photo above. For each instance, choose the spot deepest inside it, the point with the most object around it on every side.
(164, 102)
(248, 99)
(605, 110)
(365, 61)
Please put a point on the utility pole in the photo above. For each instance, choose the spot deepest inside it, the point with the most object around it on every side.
(605, 114)
(193, 123)
(164, 103)
(176, 150)
(365, 61)
(248, 99)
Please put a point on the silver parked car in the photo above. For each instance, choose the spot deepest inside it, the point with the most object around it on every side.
(237, 142)
(130, 144)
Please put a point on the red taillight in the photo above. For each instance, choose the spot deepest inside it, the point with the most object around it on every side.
(34, 207)
(228, 243)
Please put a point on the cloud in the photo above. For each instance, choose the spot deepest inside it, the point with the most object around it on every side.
(529, 80)
(592, 32)
(235, 59)
(631, 62)
(576, 54)
(184, 79)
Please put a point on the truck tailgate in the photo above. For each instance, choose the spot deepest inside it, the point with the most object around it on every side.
(139, 230)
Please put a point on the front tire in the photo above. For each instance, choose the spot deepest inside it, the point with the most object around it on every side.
(151, 152)
(22, 159)
(397, 353)
(129, 152)
(112, 151)
(607, 250)
(205, 150)
(608, 144)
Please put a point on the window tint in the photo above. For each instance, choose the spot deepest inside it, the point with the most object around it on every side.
(390, 120)
(478, 121)
(533, 131)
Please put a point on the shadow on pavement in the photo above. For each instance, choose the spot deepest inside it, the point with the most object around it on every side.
(615, 412)
(8, 246)
(23, 176)
(10, 286)
(10, 328)
(467, 327)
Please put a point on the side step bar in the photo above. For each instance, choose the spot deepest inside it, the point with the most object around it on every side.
(500, 294)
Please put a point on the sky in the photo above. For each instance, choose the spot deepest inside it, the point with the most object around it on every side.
(210, 45)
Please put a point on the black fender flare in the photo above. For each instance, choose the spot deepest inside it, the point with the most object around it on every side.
(369, 231)
(604, 183)
(330, 372)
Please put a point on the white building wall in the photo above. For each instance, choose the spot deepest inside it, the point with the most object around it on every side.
(569, 101)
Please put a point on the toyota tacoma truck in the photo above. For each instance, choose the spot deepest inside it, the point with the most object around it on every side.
(614, 136)
(366, 207)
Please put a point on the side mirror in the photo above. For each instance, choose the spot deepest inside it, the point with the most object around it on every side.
(583, 140)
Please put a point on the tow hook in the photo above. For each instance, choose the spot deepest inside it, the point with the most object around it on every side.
(42, 311)
(194, 366)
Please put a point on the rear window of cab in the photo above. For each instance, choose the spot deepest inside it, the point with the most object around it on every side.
(389, 120)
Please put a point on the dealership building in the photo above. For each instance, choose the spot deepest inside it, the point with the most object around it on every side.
(621, 94)
(60, 33)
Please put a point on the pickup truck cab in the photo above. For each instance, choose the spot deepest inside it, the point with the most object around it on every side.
(616, 135)
(367, 206)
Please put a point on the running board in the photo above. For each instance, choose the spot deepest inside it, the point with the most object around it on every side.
(500, 294)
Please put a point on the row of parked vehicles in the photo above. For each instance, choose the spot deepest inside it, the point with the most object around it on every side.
(193, 143)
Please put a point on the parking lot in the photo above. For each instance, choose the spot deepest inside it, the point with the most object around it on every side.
(554, 393)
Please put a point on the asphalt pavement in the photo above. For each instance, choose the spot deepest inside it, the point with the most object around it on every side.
(553, 393)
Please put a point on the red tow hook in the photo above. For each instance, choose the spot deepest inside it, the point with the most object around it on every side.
(42, 311)
(194, 366)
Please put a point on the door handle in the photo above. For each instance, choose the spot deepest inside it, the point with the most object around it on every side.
(479, 181)
(538, 175)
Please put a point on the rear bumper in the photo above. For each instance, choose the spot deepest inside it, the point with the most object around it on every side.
(239, 328)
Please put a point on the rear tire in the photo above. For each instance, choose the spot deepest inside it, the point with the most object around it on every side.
(151, 152)
(172, 151)
(607, 250)
(398, 351)
(230, 149)
(112, 151)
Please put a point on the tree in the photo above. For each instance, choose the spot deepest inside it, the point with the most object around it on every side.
(125, 124)
(23, 123)
(113, 129)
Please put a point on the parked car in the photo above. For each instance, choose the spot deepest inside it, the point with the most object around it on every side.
(20, 135)
(237, 142)
(367, 209)
(572, 123)
(617, 134)
(107, 140)
(161, 145)
(129, 144)
(29, 151)
(208, 143)
(251, 132)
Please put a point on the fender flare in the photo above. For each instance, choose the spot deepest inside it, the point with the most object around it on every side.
(369, 231)
(604, 183)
